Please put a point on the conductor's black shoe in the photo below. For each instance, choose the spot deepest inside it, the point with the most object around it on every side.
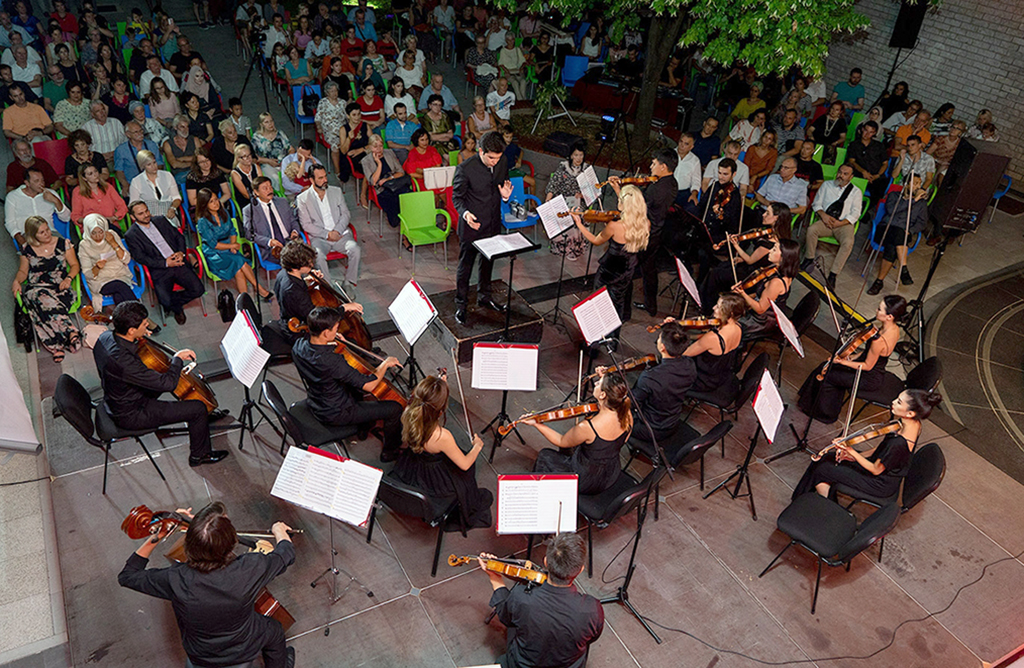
(640, 306)
(289, 657)
(179, 317)
(219, 414)
(212, 457)
(905, 277)
(460, 316)
(876, 287)
(493, 305)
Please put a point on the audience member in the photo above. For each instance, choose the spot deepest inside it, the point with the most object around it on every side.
(896, 100)
(55, 88)
(687, 171)
(707, 145)
(397, 92)
(785, 187)
(126, 166)
(512, 65)
(514, 159)
(385, 175)
(807, 168)
(23, 161)
(943, 148)
(163, 105)
(541, 56)
(80, 143)
(269, 221)
(156, 187)
(760, 158)
(25, 120)
(829, 130)
(118, 99)
(414, 76)
(271, 146)
(354, 136)
(220, 244)
(243, 174)
(748, 105)
(105, 263)
(918, 128)
(32, 198)
(372, 106)
(943, 120)
(399, 132)
(180, 147)
(501, 100)
(789, 135)
(741, 173)
(304, 159)
(25, 71)
(900, 118)
(868, 158)
(901, 229)
(223, 147)
(850, 92)
(838, 208)
(94, 195)
(205, 174)
(422, 156)
(448, 101)
(482, 62)
(914, 160)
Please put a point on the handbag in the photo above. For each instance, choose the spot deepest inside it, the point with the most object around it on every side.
(23, 332)
(226, 306)
(309, 101)
(402, 184)
(835, 209)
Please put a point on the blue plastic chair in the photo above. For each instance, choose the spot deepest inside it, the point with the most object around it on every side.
(575, 68)
(297, 92)
(998, 195)
(59, 226)
(880, 220)
(139, 289)
(520, 195)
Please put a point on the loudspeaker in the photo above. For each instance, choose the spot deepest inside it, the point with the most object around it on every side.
(971, 180)
(908, 24)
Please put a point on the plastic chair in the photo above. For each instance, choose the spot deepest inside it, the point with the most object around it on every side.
(139, 289)
(998, 195)
(338, 255)
(879, 219)
(418, 223)
(820, 150)
(574, 69)
(54, 152)
(865, 202)
(519, 194)
(453, 158)
(297, 93)
(851, 129)
(189, 252)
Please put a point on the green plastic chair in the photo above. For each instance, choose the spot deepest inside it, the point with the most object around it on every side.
(126, 55)
(851, 129)
(417, 214)
(865, 202)
(840, 155)
(453, 158)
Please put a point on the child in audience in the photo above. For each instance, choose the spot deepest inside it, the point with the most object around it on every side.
(514, 159)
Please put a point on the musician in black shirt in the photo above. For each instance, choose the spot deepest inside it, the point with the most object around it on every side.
(552, 624)
(213, 592)
(336, 389)
(130, 388)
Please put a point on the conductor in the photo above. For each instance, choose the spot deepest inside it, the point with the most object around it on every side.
(480, 185)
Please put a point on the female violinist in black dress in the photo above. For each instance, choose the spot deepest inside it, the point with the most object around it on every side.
(715, 351)
(431, 459)
(760, 319)
(877, 471)
(823, 400)
(591, 448)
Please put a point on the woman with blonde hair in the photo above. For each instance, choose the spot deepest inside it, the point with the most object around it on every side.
(156, 187)
(104, 261)
(431, 459)
(243, 174)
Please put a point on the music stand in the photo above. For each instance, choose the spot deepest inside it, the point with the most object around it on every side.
(501, 366)
(246, 360)
(556, 226)
(412, 312)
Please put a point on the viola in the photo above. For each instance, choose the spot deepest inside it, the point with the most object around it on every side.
(860, 436)
(631, 181)
(626, 365)
(515, 569)
(747, 236)
(552, 416)
(856, 340)
(158, 357)
(693, 323)
(322, 293)
(758, 276)
(592, 215)
(354, 355)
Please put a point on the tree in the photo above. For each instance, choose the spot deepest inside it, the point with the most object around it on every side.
(768, 35)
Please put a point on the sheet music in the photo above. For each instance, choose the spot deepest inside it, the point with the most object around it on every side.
(548, 211)
(343, 489)
(768, 405)
(587, 182)
(435, 178)
(687, 280)
(505, 366)
(412, 312)
(596, 316)
(241, 349)
(530, 504)
(788, 329)
(502, 243)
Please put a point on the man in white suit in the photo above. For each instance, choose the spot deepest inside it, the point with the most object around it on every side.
(324, 218)
(269, 221)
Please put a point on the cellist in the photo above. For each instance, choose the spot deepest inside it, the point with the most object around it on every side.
(335, 388)
(130, 388)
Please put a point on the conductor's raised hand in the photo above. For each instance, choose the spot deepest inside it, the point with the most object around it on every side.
(471, 221)
(505, 189)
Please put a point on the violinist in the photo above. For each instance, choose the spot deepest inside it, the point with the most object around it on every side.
(876, 471)
(130, 388)
(720, 203)
(431, 459)
(553, 624)
(596, 460)
(714, 353)
(823, 400)
(760, 319)
(659, 196)
(625, 237)
(213, 592)
(336, 389)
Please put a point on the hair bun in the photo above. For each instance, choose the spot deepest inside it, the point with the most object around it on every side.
(934, 398)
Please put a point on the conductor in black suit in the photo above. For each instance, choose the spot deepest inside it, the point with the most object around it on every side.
(480, 185)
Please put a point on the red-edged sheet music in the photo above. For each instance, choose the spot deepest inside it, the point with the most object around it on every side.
(537, 503)
(328, 484)
(412, 312)
(505, 366)
(596, 316)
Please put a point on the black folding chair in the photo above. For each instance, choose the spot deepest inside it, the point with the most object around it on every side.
(301, 425)
(730, 403)
(925, 376)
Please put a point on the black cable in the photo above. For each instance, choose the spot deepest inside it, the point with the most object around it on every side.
(22, 482)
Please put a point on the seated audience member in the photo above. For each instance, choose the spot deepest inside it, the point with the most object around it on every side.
(874, 116)
(868, 158)
(126, 166)
(943, 120)
(303, 158)
(324, 218)
(748, 131)
(330, 115)
(157, 188)
(205, 174)
(895, 101)
(501, 100)
(101, 83)
(385, 175)
(43, 282)
(163, 105)
(807, 168)
(913, 159)
(413, 75)
(514, 159)
(759, 318)
(352, 46)
(368, 74)
(688, 170)
(900, 118)
(118, 99)
(789, 135)
(180, 62)
(829, 131)
(399, 131)
(944, 147)
(482, 119)
(297, 70)
(105, 263)
(155, 70)
(23, 161)
(95, 195)
(899, 230)
(591, 448)
(590, 45)
(512, 65)
(437, 87)
(631, 67)
(199, 124)
(80, 142)
(107, 133)
(271, 146)
(73, 70)
(139, 60)
(482, 62)
(748, 105)
(761, 157)
(707, 145)
(398, 93)
(220, 244)
(422, 156)
(7, 83)
(371, 105)
(785, 187)
(741, 173)
(269, 221)
(438, 125)
(838, 208)
(354, 137)
(33, 198)
(789, 102)
(918, 127)
(223, 147)
(334, 385)
(236, 114)
(71, 113)
(28, 73)
(468, 148)
(180, 148)
(155, 244)
(25, 120)
(541, 56)
(851, 92)
(674, 74)
(316, 50)
(976, 131)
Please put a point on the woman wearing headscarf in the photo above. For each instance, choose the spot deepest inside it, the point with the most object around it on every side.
(104, 261)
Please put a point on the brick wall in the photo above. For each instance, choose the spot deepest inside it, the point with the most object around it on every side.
(969, 52)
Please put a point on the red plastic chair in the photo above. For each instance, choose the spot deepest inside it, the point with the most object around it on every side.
(338, 255)
(190, 252)
(357, 176)
(54, 152)
(371, 194)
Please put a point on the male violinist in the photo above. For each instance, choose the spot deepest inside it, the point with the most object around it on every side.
(336, 389)
(553, 624)
(130, 388)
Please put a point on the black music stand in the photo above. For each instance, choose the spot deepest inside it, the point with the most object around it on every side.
(742, 474)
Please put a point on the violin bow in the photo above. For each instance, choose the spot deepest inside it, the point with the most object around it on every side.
(906, 230)
(462, 395)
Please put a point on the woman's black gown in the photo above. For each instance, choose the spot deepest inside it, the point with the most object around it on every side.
(437, 475)
(596, 463)
(892, 451)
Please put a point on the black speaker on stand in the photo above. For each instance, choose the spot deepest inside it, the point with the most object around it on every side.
(970, 181)
(905, 32)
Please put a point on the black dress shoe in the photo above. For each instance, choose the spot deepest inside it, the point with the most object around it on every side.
(493, 305)
(460, 316)
(831, 281)
(876, 287)
(640, 306)
(905, 277)
(179, 317)
(212, 457)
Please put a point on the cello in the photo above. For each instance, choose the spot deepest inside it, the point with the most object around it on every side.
(158, 357)
(322, 293)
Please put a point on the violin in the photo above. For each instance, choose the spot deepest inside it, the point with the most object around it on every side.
(860, 436)
(553, 415)
(631, 181)
(157, 356)
(747, 236)
(693, 323)
(354, 355)
(758, 276)
(592, 215)
(515, 569)
(856, 340)
(722, 199)
(322, 293)
(627, 365)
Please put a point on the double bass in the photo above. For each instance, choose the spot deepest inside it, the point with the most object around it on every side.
(322, 293)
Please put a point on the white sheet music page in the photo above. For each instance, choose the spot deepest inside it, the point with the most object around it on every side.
(530, 504)
(587, 182)
(548, 211)
(241, 350)
(340, 488)
(502, 243)
(788, 329)
(505, 366)
(687, 280)
(412, 312)
(768, 405)
(596, 316)
(436, 178)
